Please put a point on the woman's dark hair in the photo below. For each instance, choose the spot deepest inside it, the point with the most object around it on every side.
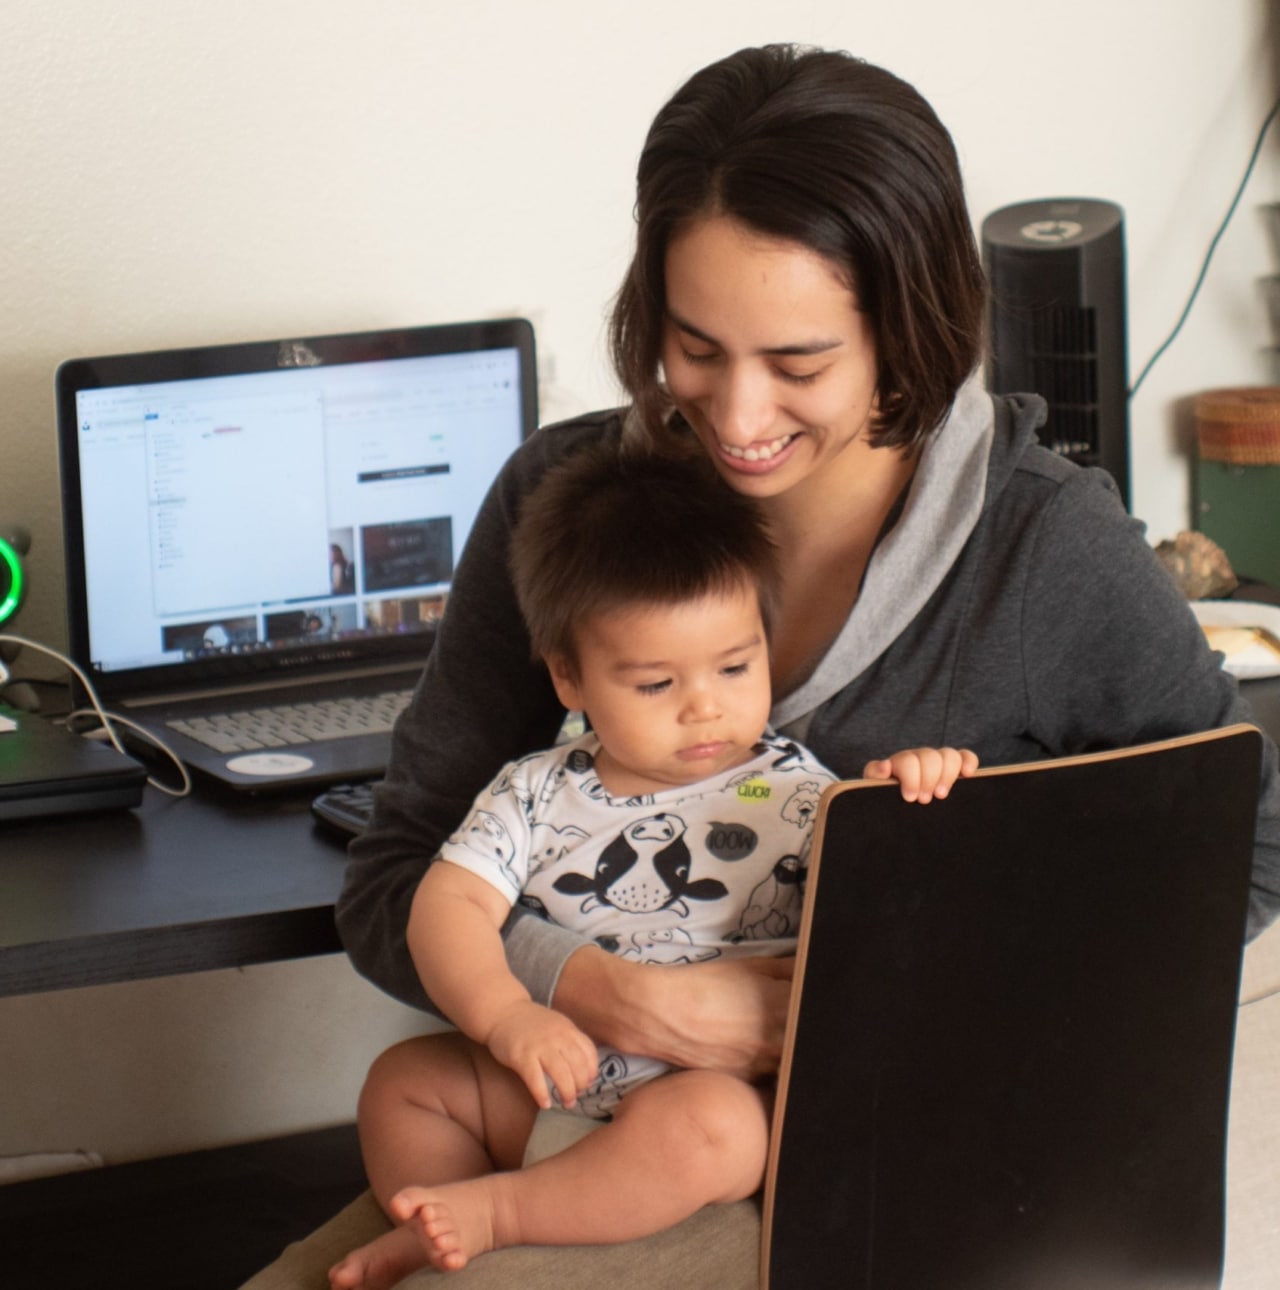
(842, 157)
(608, 529)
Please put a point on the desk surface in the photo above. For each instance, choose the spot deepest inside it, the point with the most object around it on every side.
(175, 885)
(190, 885)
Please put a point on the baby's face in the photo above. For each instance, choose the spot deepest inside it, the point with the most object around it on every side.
(676, 693)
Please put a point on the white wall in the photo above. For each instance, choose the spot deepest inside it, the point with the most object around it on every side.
(123, 1072)
(174, 172)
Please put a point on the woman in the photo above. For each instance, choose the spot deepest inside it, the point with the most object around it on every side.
(806, 306)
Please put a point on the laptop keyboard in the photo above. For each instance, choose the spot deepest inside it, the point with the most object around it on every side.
(346, 808)
(286, 725)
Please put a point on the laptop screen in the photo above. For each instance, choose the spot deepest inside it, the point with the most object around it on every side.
(244, 510)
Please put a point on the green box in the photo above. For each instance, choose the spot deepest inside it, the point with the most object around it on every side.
(1239, 508)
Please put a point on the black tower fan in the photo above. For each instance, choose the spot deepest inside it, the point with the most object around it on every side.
(1058, 327)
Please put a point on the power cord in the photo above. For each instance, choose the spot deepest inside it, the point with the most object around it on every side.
(1213, 246)
(107, 721)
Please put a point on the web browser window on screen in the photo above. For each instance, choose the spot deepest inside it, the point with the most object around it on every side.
(244, 512)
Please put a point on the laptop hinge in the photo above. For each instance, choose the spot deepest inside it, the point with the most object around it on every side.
(224, 690)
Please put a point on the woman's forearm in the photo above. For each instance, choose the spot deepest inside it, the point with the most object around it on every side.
(727, 1016)
(537, 951)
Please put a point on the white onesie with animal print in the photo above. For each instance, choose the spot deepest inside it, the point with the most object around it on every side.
(691, 873)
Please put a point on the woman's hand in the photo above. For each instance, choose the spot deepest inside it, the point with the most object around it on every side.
(722, 1015)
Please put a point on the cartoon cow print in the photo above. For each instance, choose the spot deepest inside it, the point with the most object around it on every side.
(552, 785)
(664, 945)
(789, 754)
(604, 1094)
(516, 785)
(802, 806)
(773, 909)
(547, 844)
(487, 836)
(645, 868)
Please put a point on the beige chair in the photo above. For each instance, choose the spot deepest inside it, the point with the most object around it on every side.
(718, 1249)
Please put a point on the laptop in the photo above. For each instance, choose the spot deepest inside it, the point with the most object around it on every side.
(261, 537)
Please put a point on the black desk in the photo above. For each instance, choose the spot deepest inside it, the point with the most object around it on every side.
(176, 885)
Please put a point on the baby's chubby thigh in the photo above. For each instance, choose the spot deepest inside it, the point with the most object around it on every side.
(508, 1112)
(453, 1078)
(707, 1128)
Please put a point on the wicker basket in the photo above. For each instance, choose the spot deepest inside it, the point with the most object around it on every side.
(1241, 427)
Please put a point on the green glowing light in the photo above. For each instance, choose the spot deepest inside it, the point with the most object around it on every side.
(11, 566)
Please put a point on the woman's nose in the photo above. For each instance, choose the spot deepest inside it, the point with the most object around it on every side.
(742, 408)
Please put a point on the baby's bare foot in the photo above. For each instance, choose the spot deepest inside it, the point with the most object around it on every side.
(454, 1223)
(380, 1264)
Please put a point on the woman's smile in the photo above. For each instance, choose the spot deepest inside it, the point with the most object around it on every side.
(758, 453)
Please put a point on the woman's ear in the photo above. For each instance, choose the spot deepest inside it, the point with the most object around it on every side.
(564, 678)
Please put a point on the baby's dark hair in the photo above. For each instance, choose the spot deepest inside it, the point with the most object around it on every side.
(613, 527)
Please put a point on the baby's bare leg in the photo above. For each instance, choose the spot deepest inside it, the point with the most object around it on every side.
(686, 1140)
(433, 1110)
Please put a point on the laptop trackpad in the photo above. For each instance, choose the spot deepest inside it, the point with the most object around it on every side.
(270, 763)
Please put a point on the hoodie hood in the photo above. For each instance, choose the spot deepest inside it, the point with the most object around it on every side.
(967, 459)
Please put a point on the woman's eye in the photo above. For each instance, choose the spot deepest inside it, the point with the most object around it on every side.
(799, 378)
(690, 357)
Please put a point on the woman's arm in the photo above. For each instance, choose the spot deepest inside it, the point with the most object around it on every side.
(1113, 656)
(722, 1015)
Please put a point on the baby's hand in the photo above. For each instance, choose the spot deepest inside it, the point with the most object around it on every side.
(924, 773)
(543, 1045)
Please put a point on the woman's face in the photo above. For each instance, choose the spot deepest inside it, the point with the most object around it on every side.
(767, 356)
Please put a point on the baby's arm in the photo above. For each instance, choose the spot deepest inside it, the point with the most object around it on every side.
(924, 773)
(454, 938)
